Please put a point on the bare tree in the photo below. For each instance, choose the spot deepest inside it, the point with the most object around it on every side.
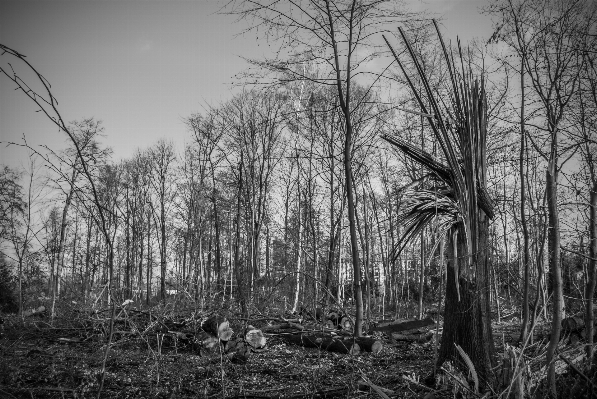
(546, 37)
(337, 37)
(48, 105)
(586, 118)
(162, 166)
(85, 132)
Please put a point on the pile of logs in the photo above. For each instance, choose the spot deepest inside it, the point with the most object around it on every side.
(331, 333)
(333, 319)
(334, 333)
(217, 335)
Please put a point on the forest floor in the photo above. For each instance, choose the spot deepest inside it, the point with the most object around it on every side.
(65, 359)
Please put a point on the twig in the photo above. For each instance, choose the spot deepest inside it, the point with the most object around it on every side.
(410, 380)
(99, 392)
(454, 378)
(7, 393)
(379, 390)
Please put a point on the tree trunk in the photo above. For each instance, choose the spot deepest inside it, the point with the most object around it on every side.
(86, 283)
(523, 219)
(554, 265)
(332, 240)
(358, 292)
(163, 241)
(218, 262)
(591, 281)
(422, 275)
(237, 265)
(344, 99)
(140, 266)
(267, 253)
(366, 254)
(67, 202)
(466, 322)
(148, 274)
(74, 249)
(128, 250)
(299, 248)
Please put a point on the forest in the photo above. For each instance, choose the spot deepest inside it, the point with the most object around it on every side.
(377, 212)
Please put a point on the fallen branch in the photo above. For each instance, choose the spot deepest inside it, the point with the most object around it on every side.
(580, 373)
(400, 326)
(420, 338)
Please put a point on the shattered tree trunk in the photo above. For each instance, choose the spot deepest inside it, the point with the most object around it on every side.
(467, 320)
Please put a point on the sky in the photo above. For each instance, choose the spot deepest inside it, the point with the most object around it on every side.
(141, 66)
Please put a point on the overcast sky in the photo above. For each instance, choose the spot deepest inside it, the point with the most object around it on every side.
(141, 66)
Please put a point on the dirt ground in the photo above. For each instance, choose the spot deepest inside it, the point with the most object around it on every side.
(64, 359)
(154, 355)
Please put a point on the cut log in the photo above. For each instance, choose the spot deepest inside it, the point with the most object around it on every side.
(329, 344)
(206, 341)
(33, 312)
(571, 324)
(219, 327)
(369, 344)
(255, 338)
(308, 341)
(319, 313)
(335, 317)
(420, 338)
(283, 326)
(346, 346)
(306, 313)
(583, 334)
(234, 345)
(238, 351)
(400, 326)
(346, 324)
